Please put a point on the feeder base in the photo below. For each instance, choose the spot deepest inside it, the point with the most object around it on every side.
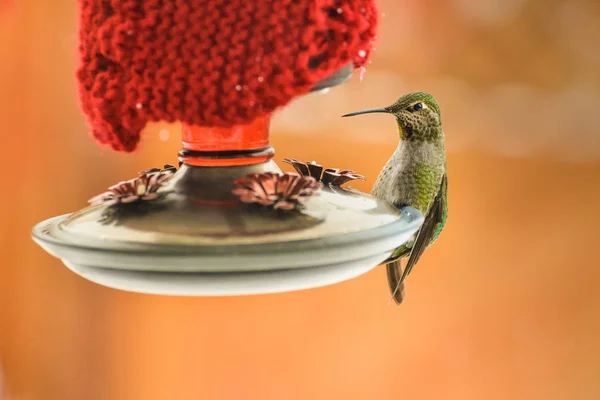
(244, 269)
(201, 240)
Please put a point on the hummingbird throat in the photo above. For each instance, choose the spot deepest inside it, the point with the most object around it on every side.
(410, 132)
(405, 132)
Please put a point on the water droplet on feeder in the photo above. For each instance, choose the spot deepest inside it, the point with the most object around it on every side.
(130, 32)
(363, 10)
(363, 70)
(164, 135)
(261, 78)
(139, 106)
(362, 53)
(339, 11)
(238, 87)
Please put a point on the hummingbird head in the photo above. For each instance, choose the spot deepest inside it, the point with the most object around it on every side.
(417, 114)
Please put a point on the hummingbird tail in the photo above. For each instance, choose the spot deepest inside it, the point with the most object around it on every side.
(394, 273)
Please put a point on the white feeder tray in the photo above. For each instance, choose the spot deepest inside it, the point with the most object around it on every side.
(232, 269)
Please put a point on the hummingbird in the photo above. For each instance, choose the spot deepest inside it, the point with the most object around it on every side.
(415, 176)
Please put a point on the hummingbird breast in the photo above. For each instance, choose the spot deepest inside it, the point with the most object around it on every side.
(412, 175)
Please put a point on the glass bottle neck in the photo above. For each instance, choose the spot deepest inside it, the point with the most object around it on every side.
(217, 146)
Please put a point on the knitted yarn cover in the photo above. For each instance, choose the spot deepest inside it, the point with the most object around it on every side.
(209, 62)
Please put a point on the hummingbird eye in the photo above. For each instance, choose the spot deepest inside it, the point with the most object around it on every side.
(418, 107)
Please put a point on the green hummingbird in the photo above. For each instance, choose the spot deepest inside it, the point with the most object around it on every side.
(415, 176)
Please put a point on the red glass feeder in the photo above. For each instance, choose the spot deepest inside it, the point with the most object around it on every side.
(197, 237)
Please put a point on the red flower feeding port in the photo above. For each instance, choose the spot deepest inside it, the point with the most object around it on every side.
(220, 67)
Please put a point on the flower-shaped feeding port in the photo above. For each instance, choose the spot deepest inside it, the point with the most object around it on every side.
(143, 188)
(135, 197)
(279, 191)
(328, 176)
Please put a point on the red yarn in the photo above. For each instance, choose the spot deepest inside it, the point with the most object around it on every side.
(209, 62)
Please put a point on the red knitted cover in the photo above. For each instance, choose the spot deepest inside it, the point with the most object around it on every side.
(209, 62)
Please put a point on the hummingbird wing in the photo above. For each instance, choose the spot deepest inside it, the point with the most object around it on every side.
(429, 229)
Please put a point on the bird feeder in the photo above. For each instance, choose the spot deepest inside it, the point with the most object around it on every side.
(228, 220)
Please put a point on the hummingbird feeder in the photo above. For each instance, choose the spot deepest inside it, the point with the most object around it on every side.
(228, 220)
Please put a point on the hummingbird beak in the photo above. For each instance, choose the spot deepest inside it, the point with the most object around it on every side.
(371, 111)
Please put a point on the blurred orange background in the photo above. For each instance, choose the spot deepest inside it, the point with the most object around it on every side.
(506, 305)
